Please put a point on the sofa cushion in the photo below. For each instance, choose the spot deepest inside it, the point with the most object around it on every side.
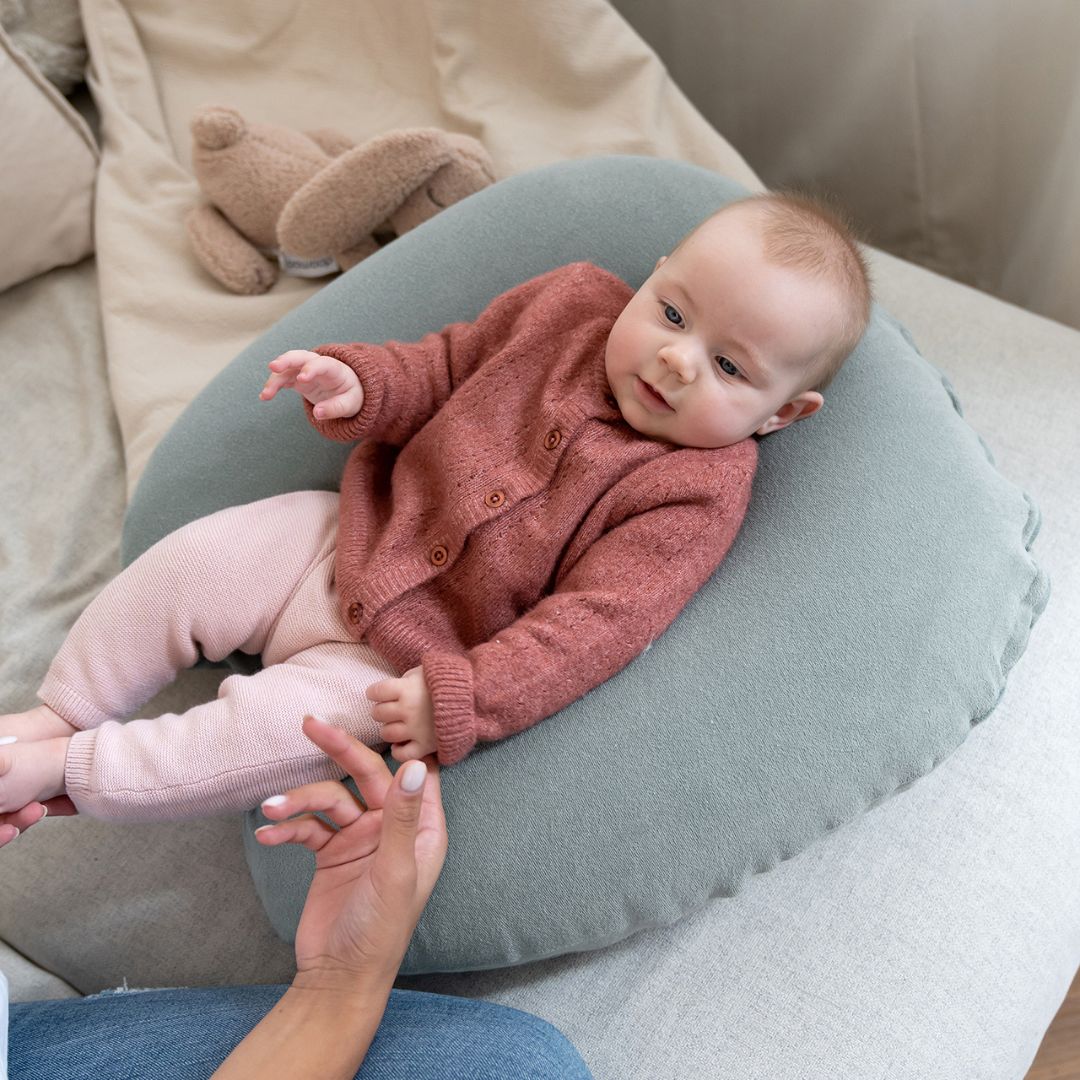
(50, 162)
(865, 618)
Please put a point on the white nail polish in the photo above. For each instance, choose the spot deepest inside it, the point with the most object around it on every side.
(275, 800)
(8, 739)
(415, 772)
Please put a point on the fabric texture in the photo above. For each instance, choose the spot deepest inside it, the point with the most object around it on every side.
(910, 919)
(950, 132)
(49, 33)
(502, 523)
(534, 83)
(185, 1034)
(50, 161)
(848, 605)
(258, 578)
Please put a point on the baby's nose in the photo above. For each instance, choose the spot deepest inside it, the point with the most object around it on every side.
(679, 361)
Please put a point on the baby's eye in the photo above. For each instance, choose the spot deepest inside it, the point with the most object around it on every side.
(727, 366)
(677, 319)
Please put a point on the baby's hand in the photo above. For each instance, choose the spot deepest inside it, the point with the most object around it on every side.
(331, 386)
(406, 715)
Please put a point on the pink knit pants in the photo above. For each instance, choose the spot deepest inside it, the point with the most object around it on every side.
(259, 578)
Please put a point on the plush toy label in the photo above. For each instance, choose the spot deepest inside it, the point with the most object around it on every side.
(297, 267)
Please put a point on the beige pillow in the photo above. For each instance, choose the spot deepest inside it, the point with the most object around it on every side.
(47, 182)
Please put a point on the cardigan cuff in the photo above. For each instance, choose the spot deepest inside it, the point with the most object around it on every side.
(450, 683)
(372, 381)
(68, 703)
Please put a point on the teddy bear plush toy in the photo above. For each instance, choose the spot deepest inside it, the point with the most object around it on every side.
(313, 203)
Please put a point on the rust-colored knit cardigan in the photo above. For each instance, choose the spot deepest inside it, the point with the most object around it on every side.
(502, 525)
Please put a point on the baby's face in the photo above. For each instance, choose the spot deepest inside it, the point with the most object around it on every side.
(715, 345)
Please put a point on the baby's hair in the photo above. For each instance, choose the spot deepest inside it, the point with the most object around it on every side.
(804, 232)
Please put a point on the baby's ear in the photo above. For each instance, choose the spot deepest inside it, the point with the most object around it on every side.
(809, 402)
(798, 408)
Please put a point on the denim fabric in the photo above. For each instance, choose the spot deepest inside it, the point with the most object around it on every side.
(186, 1034)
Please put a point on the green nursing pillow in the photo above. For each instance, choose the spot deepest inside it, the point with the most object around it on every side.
(866, 617)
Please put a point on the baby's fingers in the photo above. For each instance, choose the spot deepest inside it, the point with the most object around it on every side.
(332, 408)
(386, 712)
(275, 383)
(395, 732)
(293, 360)
(408, 751)
(384, 690)
(285, 369)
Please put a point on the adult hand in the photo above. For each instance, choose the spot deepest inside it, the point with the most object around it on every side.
(374, 872)
(31, 814)
(373, 876)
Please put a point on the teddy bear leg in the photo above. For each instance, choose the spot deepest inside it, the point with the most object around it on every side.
(227, 255)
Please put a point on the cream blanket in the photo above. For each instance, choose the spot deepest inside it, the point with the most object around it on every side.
(535, 83)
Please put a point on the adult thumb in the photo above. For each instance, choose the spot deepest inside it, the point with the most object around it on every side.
(403, 802)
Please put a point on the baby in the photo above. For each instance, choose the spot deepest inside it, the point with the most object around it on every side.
(533, 498)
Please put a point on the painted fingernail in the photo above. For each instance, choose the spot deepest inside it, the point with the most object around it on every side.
(263, 828)
(275, 800)
(413, 779)
(8, 738)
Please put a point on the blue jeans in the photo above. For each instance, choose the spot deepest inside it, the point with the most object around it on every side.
(186, 1034)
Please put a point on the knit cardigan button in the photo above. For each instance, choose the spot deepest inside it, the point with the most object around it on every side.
(439, 555)
(496, 498)
(356, 611)
(553, 438)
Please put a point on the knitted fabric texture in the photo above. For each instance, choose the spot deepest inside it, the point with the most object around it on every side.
(502, 525)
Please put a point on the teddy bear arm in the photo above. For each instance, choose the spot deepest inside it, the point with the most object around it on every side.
(227, 255)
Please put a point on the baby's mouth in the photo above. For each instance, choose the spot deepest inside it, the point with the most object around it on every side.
(651, 398)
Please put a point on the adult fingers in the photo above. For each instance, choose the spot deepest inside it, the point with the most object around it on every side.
(308, 830)
(362, 763)
(60, 806)
(431, 836)
(18, 821)
(327, 797)
(401, 818)
(25, 816)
